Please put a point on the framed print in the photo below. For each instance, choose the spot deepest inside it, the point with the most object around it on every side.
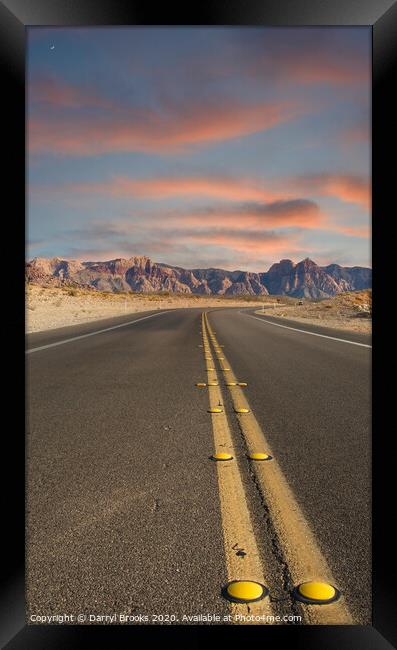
(199, 440)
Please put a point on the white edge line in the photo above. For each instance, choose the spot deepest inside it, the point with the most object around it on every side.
(296, 329)
(83, 336)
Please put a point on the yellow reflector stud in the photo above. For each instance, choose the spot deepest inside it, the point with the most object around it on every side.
(259, 456)
(242, 383)
(215, 410)
(210, 368)
(241, 410)
(316, 593)
(221, 358)
(231, 383)
(201, 385)
(245, 591)
(225, 369)
(212, 383)
(222, 456)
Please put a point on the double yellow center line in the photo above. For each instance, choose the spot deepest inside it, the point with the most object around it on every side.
(301, 552)
(236, 521)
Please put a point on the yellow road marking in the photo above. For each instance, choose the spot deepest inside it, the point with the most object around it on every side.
(303, 555)
(246, 591)
(222, 456)
(236, 520)
(259, 456)
(317, 591)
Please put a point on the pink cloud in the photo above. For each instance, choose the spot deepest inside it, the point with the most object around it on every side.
(346, 187)
(217, 187)
(181, 240)
(165, 187)
(320, 68)
(298, 213)
(167, 131)
(51, 91)
(349, 189)
(256, 241)
(313, 65)
(363, 232)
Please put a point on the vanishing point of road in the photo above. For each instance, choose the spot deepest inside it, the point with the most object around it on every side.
(128, 513)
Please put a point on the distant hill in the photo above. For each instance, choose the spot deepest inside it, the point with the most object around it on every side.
(140, 274)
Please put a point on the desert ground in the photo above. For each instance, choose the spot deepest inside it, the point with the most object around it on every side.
(49, 307)
(349, 311)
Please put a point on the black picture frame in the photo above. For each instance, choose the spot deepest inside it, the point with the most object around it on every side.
(15, 16)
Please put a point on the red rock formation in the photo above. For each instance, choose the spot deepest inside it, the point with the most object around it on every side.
(140, 274)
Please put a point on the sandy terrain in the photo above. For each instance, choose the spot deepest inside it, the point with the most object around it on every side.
(341, 312)
(49, 308)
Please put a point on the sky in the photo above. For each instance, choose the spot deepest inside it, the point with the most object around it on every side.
(199, 147)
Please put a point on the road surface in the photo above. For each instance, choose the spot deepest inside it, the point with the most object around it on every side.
(126, 513)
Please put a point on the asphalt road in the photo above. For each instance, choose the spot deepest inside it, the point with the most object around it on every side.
(123, 509)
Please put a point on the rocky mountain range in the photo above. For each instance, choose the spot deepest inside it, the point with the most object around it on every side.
(140, 274)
